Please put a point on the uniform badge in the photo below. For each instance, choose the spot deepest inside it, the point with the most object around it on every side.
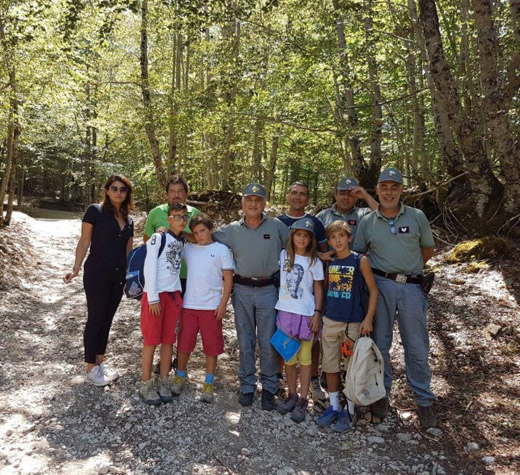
(404, 229)
(352, 222)
(267, 236)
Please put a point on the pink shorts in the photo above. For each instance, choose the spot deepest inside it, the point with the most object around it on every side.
(160, 329)
(210, 329)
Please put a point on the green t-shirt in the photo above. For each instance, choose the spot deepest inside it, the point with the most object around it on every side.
(158, 218)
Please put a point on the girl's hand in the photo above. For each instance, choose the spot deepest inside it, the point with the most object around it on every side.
(70, 275)
(366, 328)
(155, 309)
(220, 313)
(315, 323)
(326, 256)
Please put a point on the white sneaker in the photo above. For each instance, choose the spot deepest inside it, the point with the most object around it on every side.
(109, 375)
(96, 377)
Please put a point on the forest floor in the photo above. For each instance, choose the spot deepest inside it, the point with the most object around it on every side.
(51, 421)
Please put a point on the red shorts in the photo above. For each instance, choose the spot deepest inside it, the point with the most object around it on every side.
(159, 329)
(210, 332)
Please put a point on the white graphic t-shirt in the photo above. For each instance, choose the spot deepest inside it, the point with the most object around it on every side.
(296, 293)
(205, 266)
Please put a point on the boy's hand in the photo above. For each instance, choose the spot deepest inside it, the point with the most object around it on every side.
(315, 323)
(326, 256)
(366, 328)
(155, 309)
(220, 313)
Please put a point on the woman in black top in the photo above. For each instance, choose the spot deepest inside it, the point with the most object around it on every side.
(108, 230)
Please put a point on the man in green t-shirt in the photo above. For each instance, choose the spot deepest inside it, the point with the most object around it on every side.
(176, 192)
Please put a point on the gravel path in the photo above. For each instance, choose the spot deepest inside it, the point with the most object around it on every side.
(51, 421)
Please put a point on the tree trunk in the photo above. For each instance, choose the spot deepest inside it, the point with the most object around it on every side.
(257, 152)
(347, 104)
(149, 125)
(449, 149)
(269, 180)
(172, 119)
(485, 189)
(369, 178)
(495, 104)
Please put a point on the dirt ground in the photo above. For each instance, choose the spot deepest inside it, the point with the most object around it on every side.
(51, 421)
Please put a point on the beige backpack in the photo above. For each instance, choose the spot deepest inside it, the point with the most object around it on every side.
(364, 383)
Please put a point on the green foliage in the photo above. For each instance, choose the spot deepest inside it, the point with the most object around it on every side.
(248, 69)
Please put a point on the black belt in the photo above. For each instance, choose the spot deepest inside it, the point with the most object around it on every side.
(401, 278)
(253, 281)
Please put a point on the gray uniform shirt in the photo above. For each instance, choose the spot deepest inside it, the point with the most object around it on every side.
(255, 251)
(399, 252)
(352, 217)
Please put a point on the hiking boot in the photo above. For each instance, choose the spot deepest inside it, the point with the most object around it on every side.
(343, 423)
(177, 384)
(300, 411)
(426, 417)
(318, 395)
(268, 402)
(328, 417)
(110, 375)
(380, 408)
(288, 404)
(207, 393)
(164, 389)
(149, 394)
(96, 377)
(246, 399)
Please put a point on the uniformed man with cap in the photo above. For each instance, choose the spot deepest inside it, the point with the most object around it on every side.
(346, 194)
(256, 241)
(399, 241)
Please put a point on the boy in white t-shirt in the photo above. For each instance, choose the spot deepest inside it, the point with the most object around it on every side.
(209, 285)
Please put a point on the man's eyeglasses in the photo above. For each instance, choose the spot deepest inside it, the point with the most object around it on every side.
(391, 223)
(179, 217)
(115, 189)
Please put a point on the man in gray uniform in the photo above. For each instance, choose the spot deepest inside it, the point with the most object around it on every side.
(256, 241)
(399, 241)
(346, 195)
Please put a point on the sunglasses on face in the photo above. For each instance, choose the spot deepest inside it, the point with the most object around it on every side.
(115, 189)
(391, 223)
(179, 217)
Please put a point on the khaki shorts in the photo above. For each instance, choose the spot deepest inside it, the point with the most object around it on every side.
(332, 337)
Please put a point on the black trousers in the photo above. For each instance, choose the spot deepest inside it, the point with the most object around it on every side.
(104, 289)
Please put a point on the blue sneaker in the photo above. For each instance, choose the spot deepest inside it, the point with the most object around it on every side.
(328, 417)
(343, 423)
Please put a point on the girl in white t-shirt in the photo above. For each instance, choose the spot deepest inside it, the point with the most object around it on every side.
(299, 309)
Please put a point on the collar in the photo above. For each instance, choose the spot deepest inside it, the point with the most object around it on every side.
(334, 210)
(180, 237)
(384, 218)
(242, 220)
(305, 215)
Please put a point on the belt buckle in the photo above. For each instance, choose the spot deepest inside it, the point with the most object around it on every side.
(401, 278)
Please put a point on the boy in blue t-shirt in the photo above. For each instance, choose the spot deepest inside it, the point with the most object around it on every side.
(344, 316)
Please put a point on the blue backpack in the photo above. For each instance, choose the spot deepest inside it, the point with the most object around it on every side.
(134, 287)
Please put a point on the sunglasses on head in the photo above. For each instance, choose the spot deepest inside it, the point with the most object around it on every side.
(115, 189)
(179, 217)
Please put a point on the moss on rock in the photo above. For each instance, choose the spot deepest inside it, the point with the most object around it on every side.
(488, 247)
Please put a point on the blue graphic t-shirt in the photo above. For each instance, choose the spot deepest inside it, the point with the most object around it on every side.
(344, 293)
